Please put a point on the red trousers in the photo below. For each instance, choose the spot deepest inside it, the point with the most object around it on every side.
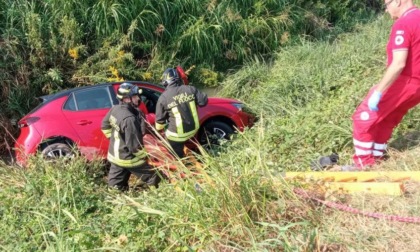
(373, 129)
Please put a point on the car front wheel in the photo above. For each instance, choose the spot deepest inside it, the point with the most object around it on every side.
(215, 132)
(57, 150)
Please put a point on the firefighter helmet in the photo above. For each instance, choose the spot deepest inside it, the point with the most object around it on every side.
(127, 90)
(169, 77)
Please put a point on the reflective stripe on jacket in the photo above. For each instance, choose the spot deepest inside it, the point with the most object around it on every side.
(123, 125)
(177, 107)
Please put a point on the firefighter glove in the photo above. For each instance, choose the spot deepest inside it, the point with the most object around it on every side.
(374, 99)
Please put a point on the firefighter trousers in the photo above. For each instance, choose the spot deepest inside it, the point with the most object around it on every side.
(118, 176)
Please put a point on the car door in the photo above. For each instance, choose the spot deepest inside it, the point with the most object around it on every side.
(149, 98)
(84, 110)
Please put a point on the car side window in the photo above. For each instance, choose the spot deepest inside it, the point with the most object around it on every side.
(94, 98)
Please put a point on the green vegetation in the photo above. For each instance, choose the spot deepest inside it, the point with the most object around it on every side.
(55, 44)
(46, 46)
(51, 45)
(304, 96)
(308, 94)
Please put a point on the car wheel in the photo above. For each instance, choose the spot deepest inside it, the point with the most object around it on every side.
(214, 133)
(57, 150)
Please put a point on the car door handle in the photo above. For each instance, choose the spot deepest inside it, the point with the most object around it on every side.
(84, 122)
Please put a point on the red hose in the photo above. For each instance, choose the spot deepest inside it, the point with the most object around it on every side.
(345, 208)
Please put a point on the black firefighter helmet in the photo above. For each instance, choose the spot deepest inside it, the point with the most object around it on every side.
(174, 76)
(127, 90)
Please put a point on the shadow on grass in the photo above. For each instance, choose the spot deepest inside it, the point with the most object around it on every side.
(407, 141)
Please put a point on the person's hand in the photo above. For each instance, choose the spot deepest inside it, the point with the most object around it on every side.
(374, 99)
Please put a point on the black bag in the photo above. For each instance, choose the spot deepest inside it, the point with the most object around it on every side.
(324, 162)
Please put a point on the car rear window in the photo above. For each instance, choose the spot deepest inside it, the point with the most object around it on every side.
(88, 99)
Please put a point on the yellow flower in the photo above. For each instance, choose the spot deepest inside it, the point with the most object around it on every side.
(114, 71)
(115, 75)
(120, 54)
(147, 76)
(74, 54)
(115, 79)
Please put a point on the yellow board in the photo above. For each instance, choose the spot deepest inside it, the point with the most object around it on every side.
(358, 176)
(384, 188)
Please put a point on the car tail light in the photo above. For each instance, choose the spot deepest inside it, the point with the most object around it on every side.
(25, 122)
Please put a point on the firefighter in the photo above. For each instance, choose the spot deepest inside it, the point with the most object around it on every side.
(398, 91)
(124, 126)
(177, 109)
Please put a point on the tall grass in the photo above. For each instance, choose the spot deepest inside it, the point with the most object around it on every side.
(47, 46)
(40, 206)
(306, 98)
(66, 206)
(63, 35)
(239, 202)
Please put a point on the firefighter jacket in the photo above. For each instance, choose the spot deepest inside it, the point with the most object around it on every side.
(177, 107)
(124, 126)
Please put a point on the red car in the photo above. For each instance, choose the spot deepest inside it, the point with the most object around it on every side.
(71, 120)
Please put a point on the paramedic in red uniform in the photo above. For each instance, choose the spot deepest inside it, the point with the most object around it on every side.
(398, 91)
